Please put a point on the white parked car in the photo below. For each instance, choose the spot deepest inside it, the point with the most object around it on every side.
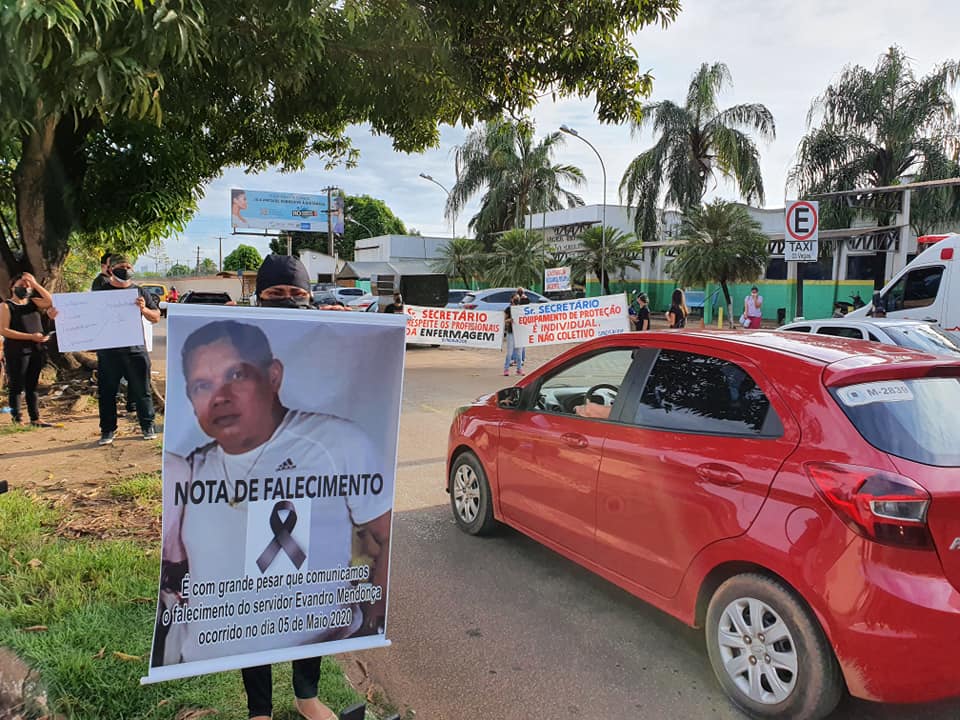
(348, 294)
(360, 304)
(493, 299)
(912, 334)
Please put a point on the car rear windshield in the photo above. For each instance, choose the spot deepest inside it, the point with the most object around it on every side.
(924, 338)
(913, 419)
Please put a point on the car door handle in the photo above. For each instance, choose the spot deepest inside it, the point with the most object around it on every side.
(930, 320)
(719, 474)
(574, 440)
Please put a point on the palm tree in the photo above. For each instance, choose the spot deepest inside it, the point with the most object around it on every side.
(723, 244)
(517, 259)
(695, 141)
(622, 252)
(878, 126)
(462, 258)
(516, 175)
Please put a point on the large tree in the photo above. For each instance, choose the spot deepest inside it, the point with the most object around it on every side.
(462, 258)
(114, 113)
(606, 252)
(365, 217)
(516, 259)
(244, 257)
(877, 127)
(515, 173)
(695, 141)
(723, 245)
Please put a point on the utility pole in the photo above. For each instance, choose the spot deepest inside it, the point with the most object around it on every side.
(220, 264)
(331, 251)
(197, 272)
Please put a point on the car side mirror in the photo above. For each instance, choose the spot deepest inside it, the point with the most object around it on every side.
(509, 398)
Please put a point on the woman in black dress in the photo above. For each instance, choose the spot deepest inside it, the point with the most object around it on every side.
(22, 331)
(677, 314)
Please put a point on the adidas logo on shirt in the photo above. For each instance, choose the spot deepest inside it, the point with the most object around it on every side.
(287, 464)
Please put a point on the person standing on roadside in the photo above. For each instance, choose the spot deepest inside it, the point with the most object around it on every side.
(103, 279)
(396, 306)
(173, 296)
(514, 355)
(753, 308)
(22, 330)
(640, 315)
(522, 299)
(133, 363)
(677, 314)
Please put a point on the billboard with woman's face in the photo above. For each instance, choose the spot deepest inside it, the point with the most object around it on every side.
(267, 210)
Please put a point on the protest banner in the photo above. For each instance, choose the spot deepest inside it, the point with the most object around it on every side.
(460, 328)
(570, 321)
(278, 486)
(98, 320)
(556, 279)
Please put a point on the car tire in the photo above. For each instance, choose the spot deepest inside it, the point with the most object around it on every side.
(793, 675)
(470, 498)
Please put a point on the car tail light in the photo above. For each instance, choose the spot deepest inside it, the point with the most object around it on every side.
(879, 505)
(470, 306)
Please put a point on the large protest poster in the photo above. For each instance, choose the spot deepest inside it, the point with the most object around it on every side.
(278, 486)
(570, 321)
(460, 328)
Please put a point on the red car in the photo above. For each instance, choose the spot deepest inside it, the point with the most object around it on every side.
(796, 496)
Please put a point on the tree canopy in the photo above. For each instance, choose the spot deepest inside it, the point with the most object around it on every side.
(114, 113)
(244, 257)
(877, 127)
(516, 175)
(695, 141)
(517, 259)
(179, 270)
(723, 244)
(462, 258)
(607, 251)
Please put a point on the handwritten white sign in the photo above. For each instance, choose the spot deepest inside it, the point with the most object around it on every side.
(98, 320)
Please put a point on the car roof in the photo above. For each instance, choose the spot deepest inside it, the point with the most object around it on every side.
(844, 361)
(857, 321)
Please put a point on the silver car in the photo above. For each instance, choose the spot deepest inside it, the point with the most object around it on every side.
(494, 299)
(912, 334)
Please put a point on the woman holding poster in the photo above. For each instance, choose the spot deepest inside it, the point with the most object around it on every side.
(513, 353)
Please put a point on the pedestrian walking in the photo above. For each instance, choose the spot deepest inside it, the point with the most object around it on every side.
(514, 354)
(23, 348)
(677, 314)
(132, 363)
(753, 309)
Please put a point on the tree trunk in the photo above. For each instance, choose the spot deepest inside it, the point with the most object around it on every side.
(729, 301)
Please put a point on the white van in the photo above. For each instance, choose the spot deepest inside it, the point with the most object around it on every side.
(927, 289)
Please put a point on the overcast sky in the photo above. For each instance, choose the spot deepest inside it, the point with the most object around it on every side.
(780, 53)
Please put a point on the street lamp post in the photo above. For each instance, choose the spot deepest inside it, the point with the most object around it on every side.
(453, 219)
(352, 219)
(603, 209)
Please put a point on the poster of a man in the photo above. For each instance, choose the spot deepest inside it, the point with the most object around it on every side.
(278, 499)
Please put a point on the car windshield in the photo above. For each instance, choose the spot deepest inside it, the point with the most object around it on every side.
(925, 338)
(913, 419)
(351, 291)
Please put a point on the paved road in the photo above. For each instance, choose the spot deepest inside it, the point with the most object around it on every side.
(502, 628)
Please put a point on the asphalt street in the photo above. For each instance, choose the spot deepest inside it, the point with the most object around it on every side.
(501, 628)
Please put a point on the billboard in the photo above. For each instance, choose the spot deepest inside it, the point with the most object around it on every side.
(267, 210)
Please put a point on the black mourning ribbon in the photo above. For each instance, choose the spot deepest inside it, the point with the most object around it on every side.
(282, 537)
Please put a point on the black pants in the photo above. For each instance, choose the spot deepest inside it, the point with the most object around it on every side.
(112, 365)
(23, 374)
(258, 682)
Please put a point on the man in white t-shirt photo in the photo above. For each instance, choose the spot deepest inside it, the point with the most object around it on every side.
(214, 531)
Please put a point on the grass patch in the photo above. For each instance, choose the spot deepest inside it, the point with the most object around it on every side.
(96, 598)
(13, 428)
(142, 486)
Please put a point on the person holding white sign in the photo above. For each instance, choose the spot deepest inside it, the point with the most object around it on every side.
(132, 363)
(22, 331)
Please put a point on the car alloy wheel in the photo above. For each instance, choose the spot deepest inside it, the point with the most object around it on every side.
(466, 493)
(758, 651)
(470, 497)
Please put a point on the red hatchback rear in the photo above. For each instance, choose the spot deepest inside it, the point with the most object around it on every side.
(797, 497)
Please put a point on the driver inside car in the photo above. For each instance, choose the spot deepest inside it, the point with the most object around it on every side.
(593, 410)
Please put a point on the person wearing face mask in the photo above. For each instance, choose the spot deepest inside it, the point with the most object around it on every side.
(22, 331)
(133, 363)
(103, 279)
(283, 282)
